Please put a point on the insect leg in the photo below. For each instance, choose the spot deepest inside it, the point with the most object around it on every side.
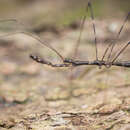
(81, 31)
(121, 51)
(118, 34)
(117, 37)
(94, 28)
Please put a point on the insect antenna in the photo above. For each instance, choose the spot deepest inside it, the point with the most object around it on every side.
(113, 44)
(32, 35)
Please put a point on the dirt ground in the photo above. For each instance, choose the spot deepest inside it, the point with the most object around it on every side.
(38, 97)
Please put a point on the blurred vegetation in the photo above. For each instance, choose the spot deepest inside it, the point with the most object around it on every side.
(60, 12)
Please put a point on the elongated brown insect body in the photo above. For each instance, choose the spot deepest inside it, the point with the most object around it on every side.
(42, 61)
(98, 63)
(71, 62)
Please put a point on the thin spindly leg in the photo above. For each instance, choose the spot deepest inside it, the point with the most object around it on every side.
(89, 6)
(118, 34)
(81, 31)
(94, 28)
(119, 53)
(76, 48)
(113, 44)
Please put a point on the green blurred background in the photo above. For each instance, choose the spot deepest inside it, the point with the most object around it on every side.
(60, 12)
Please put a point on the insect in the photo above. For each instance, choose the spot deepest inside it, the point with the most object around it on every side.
(107, 63)
(67, 62)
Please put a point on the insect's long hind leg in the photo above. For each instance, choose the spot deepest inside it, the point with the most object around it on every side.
(89, 6)
(79, 38)
(82, 27)
(78, 42)
(113, 44)
(120, 52)
(94, 28)
(118, 34)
